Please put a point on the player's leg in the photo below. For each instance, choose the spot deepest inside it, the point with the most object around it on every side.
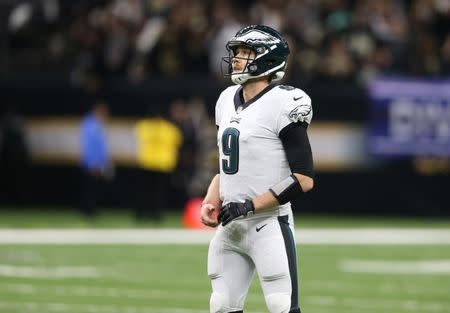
(89, 194)
(231, 274)
(274, 254)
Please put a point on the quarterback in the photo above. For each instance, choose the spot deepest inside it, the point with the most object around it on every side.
(265, 162)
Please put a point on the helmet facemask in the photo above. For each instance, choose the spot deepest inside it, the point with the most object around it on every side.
(248, 68)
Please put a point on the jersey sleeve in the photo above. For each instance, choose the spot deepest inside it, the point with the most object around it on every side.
(296, 107)
(219, 107)
(217, 112)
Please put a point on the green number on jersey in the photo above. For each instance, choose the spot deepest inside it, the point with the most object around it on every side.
(230, 147)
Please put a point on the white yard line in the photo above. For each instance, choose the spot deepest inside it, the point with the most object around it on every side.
(104, 292)
(428, 267)
(313, 236)
(88, 308)
(58, 272)
(351, 304)
(363, 304)
(384, 288)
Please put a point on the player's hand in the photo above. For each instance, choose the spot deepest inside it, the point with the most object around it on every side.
(208, 215)
(234, 210)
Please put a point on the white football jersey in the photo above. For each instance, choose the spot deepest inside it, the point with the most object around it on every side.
(252, 158)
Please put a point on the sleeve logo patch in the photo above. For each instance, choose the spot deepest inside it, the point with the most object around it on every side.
(301, 110)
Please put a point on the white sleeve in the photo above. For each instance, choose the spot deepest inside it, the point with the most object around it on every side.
(218, 110)
(217, 114)
(296, 107)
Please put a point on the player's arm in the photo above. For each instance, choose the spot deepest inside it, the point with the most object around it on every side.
(211, 203)
(299, 155)
(292, 123)
(268, 200)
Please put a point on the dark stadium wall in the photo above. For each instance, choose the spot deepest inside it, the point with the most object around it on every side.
(38, 95)
(387, 192)
(393, 187)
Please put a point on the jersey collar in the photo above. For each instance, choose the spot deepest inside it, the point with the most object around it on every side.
(240, 104)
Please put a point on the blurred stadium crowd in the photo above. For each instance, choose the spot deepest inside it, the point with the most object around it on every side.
(138, 39)
(163, 57)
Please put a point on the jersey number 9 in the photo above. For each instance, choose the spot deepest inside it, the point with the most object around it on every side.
(230, 148)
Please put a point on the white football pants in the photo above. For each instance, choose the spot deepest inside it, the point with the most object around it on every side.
(266, 244)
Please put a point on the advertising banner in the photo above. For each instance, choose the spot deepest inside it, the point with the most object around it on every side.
(410, 117)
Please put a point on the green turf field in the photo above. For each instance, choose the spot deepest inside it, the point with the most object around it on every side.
(109, 218)
(172, 278)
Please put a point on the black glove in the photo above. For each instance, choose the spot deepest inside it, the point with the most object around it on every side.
(234, 210)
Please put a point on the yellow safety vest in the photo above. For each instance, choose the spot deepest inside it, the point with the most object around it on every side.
(158, 142)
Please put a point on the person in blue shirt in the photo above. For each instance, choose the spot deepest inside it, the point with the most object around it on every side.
(95, 156)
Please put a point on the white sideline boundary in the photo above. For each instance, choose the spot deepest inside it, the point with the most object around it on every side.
(308, 236)
(427, 267)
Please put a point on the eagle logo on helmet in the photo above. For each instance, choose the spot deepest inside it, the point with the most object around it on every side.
(271, 54)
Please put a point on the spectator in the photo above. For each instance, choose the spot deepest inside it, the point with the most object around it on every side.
(158, 143)
(95, 157)
(133, 39)
(225, 26)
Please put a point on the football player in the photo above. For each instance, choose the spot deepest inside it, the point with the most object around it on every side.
(265, 162)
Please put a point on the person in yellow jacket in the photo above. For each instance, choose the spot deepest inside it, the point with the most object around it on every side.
(158, 144)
